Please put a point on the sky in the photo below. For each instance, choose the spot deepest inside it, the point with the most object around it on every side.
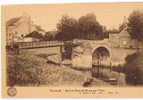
(48, 15)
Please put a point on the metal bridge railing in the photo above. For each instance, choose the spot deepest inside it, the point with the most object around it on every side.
(39, 44)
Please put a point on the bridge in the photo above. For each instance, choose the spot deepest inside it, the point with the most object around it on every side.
(100, 52)
(86, 53)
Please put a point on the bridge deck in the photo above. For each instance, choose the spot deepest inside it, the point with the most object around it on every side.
(43, 44)
(39, 44)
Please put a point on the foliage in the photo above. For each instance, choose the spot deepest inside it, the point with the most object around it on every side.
(35, 34)
(86, 27)
(67, 28)
(135, 25)
(89, 27)
(30, 70)
(22, 72)
(134, 69)
(48, 36)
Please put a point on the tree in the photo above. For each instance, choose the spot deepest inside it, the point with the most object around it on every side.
(134, 69)
(105, 32)
(67, 28)
(35, 34)
(134, 64)
(135, 25)
(90, 28)
(86, 27)
(50, 35)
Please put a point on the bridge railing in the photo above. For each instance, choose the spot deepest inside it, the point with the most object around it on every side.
(39, 44)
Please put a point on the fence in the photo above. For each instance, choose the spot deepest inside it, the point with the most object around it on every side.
(39, 44)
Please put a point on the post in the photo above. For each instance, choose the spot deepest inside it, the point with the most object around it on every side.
(110, 66)
(102, 65)
(61, 55)
(98, 66)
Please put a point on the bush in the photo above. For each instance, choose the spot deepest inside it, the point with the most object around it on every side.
(22, 71)
(134, 69)
(31, 70)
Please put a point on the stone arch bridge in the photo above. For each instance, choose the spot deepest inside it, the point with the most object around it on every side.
(86, 53)
(90, 52)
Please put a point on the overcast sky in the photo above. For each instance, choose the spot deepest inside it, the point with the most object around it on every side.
(47, 16)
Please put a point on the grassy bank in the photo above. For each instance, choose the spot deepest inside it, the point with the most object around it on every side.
(31, 70)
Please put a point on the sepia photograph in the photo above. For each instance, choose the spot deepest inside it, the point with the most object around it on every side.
(77, 45)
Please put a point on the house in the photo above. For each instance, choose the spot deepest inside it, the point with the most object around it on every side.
(17, 28)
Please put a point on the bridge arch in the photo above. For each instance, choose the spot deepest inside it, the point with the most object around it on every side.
(101, 55)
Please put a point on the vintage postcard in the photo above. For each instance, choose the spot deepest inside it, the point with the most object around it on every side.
(72, 50)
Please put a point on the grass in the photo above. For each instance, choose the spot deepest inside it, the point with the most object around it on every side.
(31, 70)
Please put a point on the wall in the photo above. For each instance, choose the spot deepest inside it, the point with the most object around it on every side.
(82, 54)
(19, 28)
(119, 55)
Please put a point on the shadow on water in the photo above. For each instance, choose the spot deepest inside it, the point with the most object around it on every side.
(108, 74)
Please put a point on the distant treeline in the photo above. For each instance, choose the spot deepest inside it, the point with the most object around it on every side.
(68, 28)
(87, 27)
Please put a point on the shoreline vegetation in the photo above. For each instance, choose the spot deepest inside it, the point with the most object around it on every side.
(34, 70)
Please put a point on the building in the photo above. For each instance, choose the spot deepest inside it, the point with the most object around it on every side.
(18, 28)
(122, 38)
